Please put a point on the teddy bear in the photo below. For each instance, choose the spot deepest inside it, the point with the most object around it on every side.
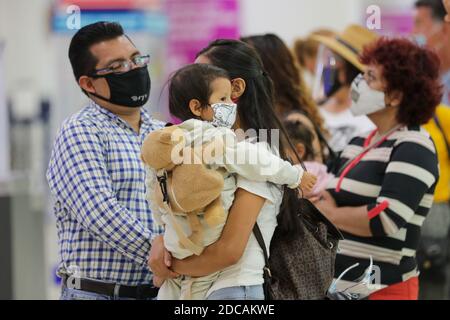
(192, 188)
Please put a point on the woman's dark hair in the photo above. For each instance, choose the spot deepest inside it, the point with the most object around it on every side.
(291, 93)
(192, 82)
(299, 133)
(411, 70)
(256, 107)
(80, 56)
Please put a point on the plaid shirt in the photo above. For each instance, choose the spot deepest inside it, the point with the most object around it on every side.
(96, 176)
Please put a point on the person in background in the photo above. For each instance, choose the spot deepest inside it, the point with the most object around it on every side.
(385, 180)
(337, 66)
(302, 137)
(433, 252)
(305, 52)
(292, 98)
(431, 30)
(96, 174)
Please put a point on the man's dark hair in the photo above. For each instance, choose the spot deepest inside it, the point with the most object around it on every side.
(81, 58)
(437, 8)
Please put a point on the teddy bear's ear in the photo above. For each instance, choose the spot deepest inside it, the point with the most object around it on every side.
(166, 137)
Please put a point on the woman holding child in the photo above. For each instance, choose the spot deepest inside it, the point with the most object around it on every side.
(236, 254)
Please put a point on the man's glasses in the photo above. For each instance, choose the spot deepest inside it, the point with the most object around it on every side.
(119, 67)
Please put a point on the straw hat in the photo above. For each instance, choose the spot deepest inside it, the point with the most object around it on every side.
(349, 44)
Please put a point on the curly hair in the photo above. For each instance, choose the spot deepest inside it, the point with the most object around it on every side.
(411, 70)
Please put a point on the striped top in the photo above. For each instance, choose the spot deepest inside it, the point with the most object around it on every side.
(396, 181)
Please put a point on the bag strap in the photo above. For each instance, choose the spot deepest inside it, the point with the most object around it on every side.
(438, 124)
(184, 240)
(260, 239)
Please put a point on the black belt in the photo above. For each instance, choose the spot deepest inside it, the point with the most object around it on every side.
(113, 290)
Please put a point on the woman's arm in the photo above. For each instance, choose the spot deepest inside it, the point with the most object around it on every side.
(353, 220)
(229, 249)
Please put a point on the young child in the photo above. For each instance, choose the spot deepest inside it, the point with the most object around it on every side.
(200, 95)
(302, 137)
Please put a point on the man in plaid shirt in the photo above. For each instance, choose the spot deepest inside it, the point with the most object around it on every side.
(95, 173)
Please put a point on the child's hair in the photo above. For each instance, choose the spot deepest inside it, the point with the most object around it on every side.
(300, 133)
(192, 82)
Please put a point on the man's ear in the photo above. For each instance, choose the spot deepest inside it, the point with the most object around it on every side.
(196, 107)
(238, 86)
(86, 84)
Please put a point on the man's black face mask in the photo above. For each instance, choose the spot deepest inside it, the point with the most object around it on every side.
(130, 89)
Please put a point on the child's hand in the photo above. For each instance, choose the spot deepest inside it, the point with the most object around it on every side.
(308, 182)
(157, 281)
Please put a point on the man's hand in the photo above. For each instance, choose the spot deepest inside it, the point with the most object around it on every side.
(160, 260)
(447, 7)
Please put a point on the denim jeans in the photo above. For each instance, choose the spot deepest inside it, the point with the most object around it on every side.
(74, 294)
(238, 293)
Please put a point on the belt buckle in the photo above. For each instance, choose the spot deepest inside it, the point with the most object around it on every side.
(116, 293)
(140, 292)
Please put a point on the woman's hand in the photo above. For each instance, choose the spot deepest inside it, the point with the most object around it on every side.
(326, 204)
(160, 260)
(157, 281)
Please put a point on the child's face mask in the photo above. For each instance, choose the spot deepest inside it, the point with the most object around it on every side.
(224, 114)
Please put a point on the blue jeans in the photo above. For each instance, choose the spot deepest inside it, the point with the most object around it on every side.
(74, 294)
(238, 293)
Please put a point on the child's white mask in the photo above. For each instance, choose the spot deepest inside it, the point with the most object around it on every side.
(224, 114)
(365, 100)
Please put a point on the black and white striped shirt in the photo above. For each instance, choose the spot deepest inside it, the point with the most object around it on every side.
(396, 181)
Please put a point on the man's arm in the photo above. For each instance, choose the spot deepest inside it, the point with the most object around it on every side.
(78, 177)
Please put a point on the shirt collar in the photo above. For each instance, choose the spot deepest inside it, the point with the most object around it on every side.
(146, 119)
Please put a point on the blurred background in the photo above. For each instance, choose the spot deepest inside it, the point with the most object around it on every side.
(38, 91)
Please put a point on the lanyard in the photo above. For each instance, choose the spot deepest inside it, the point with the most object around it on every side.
(349, 165)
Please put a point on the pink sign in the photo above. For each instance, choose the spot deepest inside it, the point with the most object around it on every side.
(194, 23)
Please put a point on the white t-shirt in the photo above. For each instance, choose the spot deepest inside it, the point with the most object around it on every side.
(344, 126)
(249, 270)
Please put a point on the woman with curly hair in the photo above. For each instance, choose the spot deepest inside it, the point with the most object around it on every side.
(385, 180)
(292, 97)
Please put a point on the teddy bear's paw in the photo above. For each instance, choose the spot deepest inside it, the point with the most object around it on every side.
(214, 219)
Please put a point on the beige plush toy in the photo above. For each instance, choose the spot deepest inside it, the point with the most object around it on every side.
(192, 188)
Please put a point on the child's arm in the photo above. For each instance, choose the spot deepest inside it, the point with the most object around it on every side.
(256, 162)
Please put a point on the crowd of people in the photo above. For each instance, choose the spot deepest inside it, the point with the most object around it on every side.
(364, 135)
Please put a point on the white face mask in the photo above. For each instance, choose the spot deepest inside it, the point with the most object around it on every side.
(224, 114)
(365, 100)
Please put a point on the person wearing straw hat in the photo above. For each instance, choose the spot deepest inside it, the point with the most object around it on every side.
(337, 65)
